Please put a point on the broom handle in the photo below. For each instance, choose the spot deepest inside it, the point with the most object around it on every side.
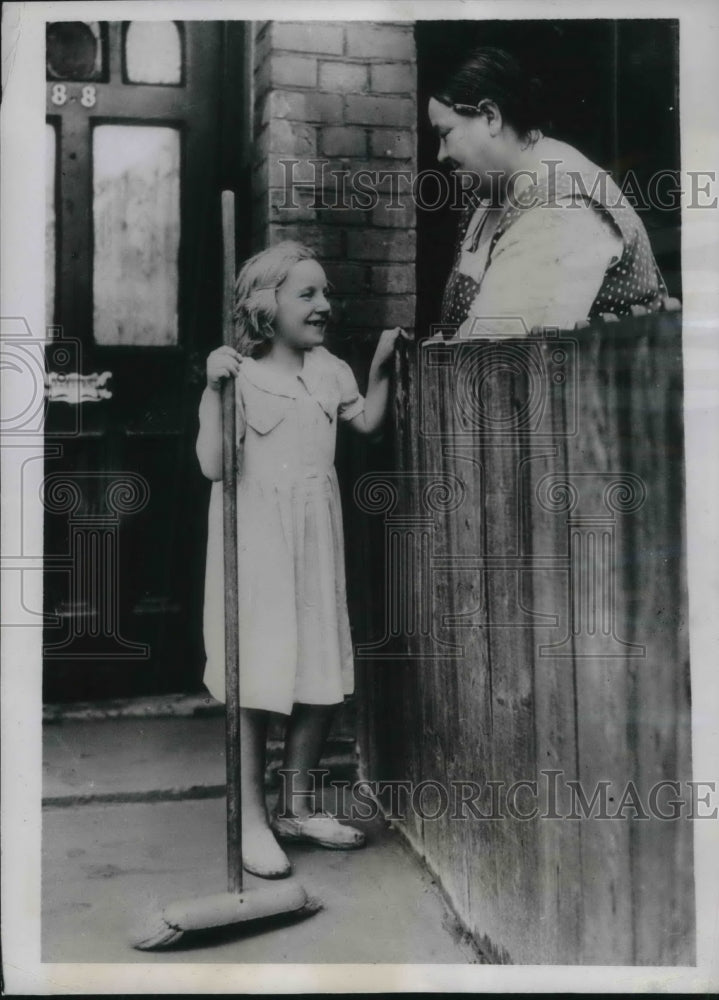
(229, 512)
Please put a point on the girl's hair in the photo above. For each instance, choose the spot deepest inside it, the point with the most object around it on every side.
(494, 74)
(255, 294)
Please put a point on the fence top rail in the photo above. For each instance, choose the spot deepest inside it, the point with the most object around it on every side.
(640, 320)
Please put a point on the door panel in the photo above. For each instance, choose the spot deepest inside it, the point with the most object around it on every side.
(137, 242)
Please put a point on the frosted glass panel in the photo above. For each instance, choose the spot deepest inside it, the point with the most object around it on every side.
(136, 216)
(153, 52)
(50, 227)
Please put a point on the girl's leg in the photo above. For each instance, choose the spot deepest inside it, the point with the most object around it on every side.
(307, 731)
(298, 815)
(261, 854)
(253, 742)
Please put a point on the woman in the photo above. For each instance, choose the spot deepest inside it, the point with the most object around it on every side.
(548, 240)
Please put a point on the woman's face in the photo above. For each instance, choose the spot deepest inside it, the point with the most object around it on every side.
(466, 142)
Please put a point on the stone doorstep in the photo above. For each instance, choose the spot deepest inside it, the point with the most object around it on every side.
(153, 706)
(207, 781)
(341, 769)
(173, 706)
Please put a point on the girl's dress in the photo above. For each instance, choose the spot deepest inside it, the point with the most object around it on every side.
(294, 635)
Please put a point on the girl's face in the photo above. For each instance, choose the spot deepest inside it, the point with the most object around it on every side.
(466, 142)
(302, 306)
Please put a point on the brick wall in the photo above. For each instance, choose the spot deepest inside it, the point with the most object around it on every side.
(344, 92)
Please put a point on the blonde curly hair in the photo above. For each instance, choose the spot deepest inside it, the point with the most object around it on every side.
(255, 294)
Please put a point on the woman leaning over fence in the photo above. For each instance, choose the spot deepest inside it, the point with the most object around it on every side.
(548, 239)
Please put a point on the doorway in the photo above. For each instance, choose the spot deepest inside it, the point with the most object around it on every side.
(141, 136)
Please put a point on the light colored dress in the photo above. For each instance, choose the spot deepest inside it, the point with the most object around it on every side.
(295, 643)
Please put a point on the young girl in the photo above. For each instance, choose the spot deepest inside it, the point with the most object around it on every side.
(295, 645)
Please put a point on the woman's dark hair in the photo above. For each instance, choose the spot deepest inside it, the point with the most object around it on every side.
(493, 73)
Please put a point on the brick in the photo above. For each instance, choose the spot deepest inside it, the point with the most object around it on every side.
(293, 170)
(366, 184)
(394, 278)
(343, 216)
(382, 244)
(304, 106)
(261, 79)
(324, 240)
(292, 71)
(263, 41)
(292, 138)
(299, 209)
(343, 141)
(342, 77)
(308, 36)
(348, 278)
(259, 144)
(402, 216)
(381, 311)
(371, 110)
(393, 78)
(259, 179)
(400, 143)
(380, 41)
(391, 178)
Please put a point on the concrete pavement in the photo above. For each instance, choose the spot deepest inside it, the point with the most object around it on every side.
(135, 818)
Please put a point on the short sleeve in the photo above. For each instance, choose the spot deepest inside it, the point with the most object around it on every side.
(351, 401)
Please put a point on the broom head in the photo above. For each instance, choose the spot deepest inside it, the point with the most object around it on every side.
(165, 927)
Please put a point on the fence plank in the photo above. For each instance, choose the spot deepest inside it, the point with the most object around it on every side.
(554, 682)
(601, 679)
(510, 648)
(409, 672)
(550, 526)
(654, 445)
(471, 759)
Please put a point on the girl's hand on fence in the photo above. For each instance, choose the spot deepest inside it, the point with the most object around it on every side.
(386, 346)
(222, 363)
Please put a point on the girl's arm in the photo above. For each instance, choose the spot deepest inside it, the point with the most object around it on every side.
(370, 420)
(221, 364)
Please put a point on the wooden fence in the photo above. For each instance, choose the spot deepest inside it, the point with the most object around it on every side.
(535, 630)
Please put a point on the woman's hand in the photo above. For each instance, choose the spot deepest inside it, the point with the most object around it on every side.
(386, 346)
(222, 363)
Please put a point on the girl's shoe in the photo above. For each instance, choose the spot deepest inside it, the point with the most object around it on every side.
(319, 828)
(262, 855)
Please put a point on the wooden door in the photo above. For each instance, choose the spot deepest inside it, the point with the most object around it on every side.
(134, 255)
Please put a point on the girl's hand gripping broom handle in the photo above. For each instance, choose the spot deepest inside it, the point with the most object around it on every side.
(229, 496)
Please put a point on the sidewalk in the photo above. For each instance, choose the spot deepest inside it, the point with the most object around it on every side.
(134, 811)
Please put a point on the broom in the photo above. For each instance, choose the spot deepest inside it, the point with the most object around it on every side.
(168, 926)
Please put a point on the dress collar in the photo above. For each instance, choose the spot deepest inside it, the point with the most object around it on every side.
(281, 384)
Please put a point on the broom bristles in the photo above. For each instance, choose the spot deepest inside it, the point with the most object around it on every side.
(156, 933)
(161, 928)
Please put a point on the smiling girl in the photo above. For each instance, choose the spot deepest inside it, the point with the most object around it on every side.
(295, 646)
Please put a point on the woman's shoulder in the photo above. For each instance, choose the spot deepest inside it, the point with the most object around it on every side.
(565, 173)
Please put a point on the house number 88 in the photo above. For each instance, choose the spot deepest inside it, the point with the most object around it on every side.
(88, 95)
